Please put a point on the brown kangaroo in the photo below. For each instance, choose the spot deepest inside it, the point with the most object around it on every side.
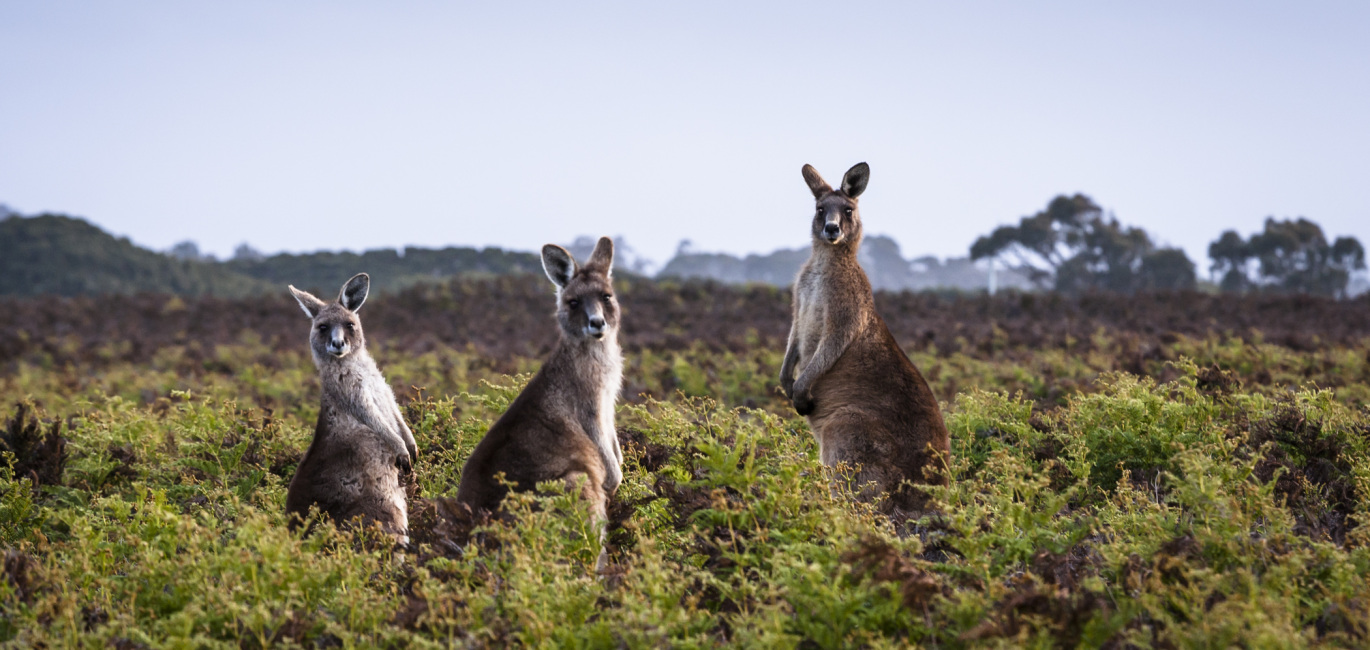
(867, 404)
(561, 427)
(362, 451)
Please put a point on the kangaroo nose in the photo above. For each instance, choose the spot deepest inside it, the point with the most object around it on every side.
(831, 229)
(597, 322)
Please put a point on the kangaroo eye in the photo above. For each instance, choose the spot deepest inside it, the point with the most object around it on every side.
(573, 303)
(323, 328)
(849, 212)
(350, 327)
(606, 297)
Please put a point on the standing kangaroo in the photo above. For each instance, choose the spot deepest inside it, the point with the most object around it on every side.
(362, 448)
(866, 402)
(561, 427)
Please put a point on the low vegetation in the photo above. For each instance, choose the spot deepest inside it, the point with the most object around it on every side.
(1134, 482)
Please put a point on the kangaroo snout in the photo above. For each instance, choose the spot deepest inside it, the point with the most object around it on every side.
(596, 327)
(337, 347)
(832, 232)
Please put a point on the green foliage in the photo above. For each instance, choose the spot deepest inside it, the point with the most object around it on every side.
(1192, 506)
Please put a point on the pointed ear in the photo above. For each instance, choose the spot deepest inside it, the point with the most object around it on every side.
(308, 302)
(558, 264)
(854, 183)
(353, 293)
(817, 185)
(603, 257)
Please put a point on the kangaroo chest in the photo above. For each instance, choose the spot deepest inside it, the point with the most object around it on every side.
(582, 386)
(362, 396)
(815, 299)
(599, 422)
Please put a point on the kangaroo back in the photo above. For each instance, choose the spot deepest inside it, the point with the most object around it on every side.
(362, 454)
(867, 404)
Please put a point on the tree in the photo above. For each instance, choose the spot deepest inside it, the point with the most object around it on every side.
(884, 264)
(246, 253)
(1072, 246)
(1230, 255)
(189, 251)
(1168, 269)
(1291, 256)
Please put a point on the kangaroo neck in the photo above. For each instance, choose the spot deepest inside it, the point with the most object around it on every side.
(844, 254)
(589, 368)
(353, 380)
(357, 361)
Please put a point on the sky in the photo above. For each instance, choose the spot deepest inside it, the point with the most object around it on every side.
(303, 126)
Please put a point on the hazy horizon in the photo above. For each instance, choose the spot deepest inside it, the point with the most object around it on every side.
(321, 126)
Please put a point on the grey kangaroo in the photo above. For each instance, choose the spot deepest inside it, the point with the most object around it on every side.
(561, 427)
(363, 452)
(867, 404)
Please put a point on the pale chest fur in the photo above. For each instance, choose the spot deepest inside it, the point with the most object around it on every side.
(360, 392)
(592, 377)
(833, 299)
(810, 312)
(608, 362)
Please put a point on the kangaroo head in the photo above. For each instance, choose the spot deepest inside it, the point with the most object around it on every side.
(586, 307)
(837, 219)
(337, 330)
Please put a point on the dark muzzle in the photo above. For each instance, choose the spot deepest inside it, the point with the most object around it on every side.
(337, 346)
(597, 326)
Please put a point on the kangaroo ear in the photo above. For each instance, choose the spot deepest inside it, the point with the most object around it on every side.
(854, 183)
(817, 185)
(308, 302)
(603, 257)
(558, 264)
(353, 293)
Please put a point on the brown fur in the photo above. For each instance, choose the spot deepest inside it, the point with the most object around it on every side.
(363, 453)
(561, 427)
(867, 404)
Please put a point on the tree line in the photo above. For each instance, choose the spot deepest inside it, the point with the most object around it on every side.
(52, 254)
(1073, 246)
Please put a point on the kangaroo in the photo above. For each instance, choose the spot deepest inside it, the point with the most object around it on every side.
(561, 427)
(362, 451)
(867, 404)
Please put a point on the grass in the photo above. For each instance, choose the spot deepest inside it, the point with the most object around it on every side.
(1218, 498)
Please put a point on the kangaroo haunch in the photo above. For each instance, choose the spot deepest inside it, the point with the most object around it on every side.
(867, 404)
(561, 427)
(362, 450)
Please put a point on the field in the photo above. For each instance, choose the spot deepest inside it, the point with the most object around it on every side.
(1169, 470)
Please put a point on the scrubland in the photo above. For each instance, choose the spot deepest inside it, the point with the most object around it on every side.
(1155, 471)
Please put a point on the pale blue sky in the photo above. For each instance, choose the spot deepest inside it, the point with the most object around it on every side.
(330, 125)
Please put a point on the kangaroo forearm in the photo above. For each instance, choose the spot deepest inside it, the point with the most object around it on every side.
(787, 366)
(822, 361)
(405, 433)
(613, 473)
(408, 437)
(791, 359)
(391, 427)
